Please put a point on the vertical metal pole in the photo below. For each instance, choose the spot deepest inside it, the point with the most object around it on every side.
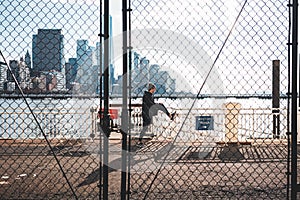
(124, 127)
(288, 134)
(294, 101)
(100, 110)
(130, 106)
(275, 97)
(106, 100)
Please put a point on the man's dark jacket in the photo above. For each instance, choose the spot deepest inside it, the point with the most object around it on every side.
(147, 113)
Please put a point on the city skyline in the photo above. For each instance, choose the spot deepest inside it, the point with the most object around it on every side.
(16, 31)
(50, 71)
(68, 70)
(21, 21)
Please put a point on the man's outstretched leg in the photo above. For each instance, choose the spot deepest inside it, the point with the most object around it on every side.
(145, 128)
(155, 108)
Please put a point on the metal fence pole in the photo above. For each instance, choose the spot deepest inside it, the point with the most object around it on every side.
(275, 98)
(129, 95)
(294, 101)
(106, 100)
(100, 105)
(288, 133)
(124, 129)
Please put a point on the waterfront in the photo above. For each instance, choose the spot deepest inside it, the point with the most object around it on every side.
(73, 118)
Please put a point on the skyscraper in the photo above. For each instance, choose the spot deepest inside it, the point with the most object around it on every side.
(82, 46)
(21, 72)
(84, 56)
(89, 62)
(14, 66)
(47, 50)
(28, 60)
(48, 55)
(111, 58)
(144, 72)
(71, 71)
(24, 74)
(3, 76)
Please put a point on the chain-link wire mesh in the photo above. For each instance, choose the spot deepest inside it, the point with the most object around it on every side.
(50, 86)
(220, 72)
(222, 68)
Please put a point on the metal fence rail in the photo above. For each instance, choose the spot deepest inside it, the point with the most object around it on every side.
(254, 123)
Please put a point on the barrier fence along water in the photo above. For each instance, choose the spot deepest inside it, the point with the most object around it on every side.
(253, 123)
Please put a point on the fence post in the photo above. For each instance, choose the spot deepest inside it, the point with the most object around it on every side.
(124, 122)
(106, 101)
(94, 122)
(294, 109)
(275, 98)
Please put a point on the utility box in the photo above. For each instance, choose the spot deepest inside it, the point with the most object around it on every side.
(204, 123)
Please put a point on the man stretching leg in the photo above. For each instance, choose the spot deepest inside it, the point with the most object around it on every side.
(149, 109)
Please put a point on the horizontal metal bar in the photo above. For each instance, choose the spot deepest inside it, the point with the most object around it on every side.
(66, 95)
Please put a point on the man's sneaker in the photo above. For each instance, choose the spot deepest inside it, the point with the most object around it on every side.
(153, 135)
(173, 116)
(140, 145)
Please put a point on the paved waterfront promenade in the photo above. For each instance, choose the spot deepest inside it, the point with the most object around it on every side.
(29, 169)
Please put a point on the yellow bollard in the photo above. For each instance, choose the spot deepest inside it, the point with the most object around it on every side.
(231, 151)
(231, 122)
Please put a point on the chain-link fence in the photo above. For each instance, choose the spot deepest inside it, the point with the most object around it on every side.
(212, 124)
(222, 67)
(49, 89)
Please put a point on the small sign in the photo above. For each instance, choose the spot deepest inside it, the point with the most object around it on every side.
(204, 123)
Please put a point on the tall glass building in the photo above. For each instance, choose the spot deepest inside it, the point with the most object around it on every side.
(89, 61)
(48, 50)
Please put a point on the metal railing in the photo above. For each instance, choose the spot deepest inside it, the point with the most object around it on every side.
(56, 123)
(253, 123)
